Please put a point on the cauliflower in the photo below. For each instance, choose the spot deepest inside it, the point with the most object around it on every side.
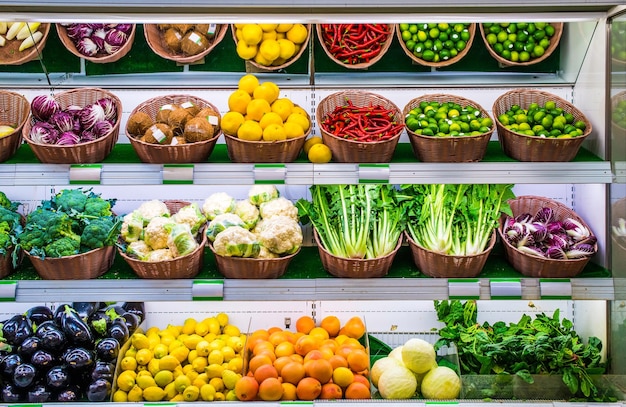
(221, 222)
(191, 215)
(278, 206)
(258, 227)
(132, 227)
(218, 203)
(160, 255)
(139, 249)
(180, 239)
(266, 254)
(236, 241)
(155, 234)
(281, 235)
(262, 193)
(248, 212)
(152, 209)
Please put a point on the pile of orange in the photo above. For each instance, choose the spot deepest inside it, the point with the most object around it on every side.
(324, 361)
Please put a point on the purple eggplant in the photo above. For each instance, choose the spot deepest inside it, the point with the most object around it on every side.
(51, 336)
(39, 314)
(103, 370)
(137, 308)
(9, 363)
(75, 329)
(24, 375)
(132, 321)
(57, 377)
(78, 358)
(107, 349)
(12, 394)
(38, 394)
(85, 309)
(71, 393)
(43, 360)
(16, 329)
(28, 347)
(118, 330)
(99, 390)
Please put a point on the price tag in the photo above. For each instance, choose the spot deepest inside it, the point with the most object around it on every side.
(178, 173)
(439, 403)
(207, 290)
(8, 290)
(464, 289)
(85, 174)
(154, 404)
(298, 402)
(269, 173)
(373, 173)
(555, 289)
(506, 289)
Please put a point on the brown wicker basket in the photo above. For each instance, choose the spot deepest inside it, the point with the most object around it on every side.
(440, 265)
(554, 43)
(154, 38)
(618, 210)
(348, 151)
(448, 149)
(14, 111)
(534, 266)
(363, 65)
(89, 265)
(89, 152)
(531, 148)
(355, 268)
(11, 55)
(251, 268)
(96, 59)
(618, 133)
(6, 263)
(181, 267)
(181, 153)
(447, 62)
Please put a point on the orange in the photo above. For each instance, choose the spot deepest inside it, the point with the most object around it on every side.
(357, 390)
(268, 91)
(327, 352)
(256, 108)
(354, 328)
(320, 369)
(274, 329)
(270, 389)
(320, 333)
(304, 324)
(257, 361)
(293, 372)
(358, 360)
(338, 361)
(246, 388)
(238, 101)
(331, 391)
(314, 354)
(343, 376)
(331, 324)
(308, 388)
(305, 344)
(247, 83)
(264, 371)
(262, 346)
(284, 349)
(280, 362)
(297, 358)
(289, 391)
(362, 379)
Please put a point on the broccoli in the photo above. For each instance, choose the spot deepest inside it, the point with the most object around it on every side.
(9, 216)
(5, 237)
(59, 225)
(97, 207)
(44, 227)
(32, 238)
(69, 200)
(100, 232)
(7, 203)
(65, 246)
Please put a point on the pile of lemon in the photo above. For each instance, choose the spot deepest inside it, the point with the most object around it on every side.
(256, 112)
(199, 360)
(270, 44)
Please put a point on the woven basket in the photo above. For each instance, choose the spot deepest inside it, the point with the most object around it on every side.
(363, 65)
(355, 268)
(96, 59)
(14, 111)
(618, 210)
(11, 55)
(531, 148)
(440, 265)
(285, 64)
(448, 149)
(6, 262)
(348, 151)
(181, 153)
(554, 43)
(618, 133)
(251, 268)
(154, 38)
(448, 62)
(84, 266)
(89, 152)
(181, 267)
(533, 266)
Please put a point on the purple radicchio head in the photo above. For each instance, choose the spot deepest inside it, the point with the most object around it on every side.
(576, 230)
(87, 47)
(125, 28)
(110, 111)
(102, 128)
(545, 215)
(44, 106)
(63, 121)
(79, 31)
(90, 115)
(68, 138)
(580, 250)
(43, 133)
(114, 40)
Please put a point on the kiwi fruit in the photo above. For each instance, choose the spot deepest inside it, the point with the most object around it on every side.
(164, 112)
(172, 38)
(138, 123)
(159, 133)
(194, 43)
(198, 129)
(177, 119)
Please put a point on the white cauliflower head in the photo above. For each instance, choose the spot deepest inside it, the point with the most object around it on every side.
(152, 209)
(217, 204)
(281, 235)
(180, 239)
(139, 249)
(160, 255)
(191, 215)
(155, 234)
(132, 227)
(266, 254)
(260, 193)
(236, 241)
(278, 207)
(248, 213)
(222, 222)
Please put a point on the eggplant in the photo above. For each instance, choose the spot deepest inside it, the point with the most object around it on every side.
(132, 321)
(113, 309)
(118, 330)
(57, 377)
(99, 322)
(85, 309)
(107, 349)
(16, 329)
(43, 360)
(51, 336)
(103, 370)
(24, 375)
(12, 394)
(38, 394)
(137, 308)
(9, 363)
(39, 314)
(99, 390)
(28, 347)
(78, 358)
(71, 393)
(75, 329)
(58, 312)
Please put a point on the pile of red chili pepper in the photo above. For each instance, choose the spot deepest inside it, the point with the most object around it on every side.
(355, 43)
(370, 123)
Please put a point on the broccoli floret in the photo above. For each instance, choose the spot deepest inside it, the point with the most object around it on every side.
(9, 216)
(43, 227)
(7, 203)
(97, 207)
(65, 246)
(99, 232)
(5, 237)
(32, 237)
(71, 200)
(60, 225)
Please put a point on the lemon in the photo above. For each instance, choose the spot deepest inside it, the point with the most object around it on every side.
(217, 383)
(177, 398)
(293, 130)
(202, 348)
(191, 393)
(250, 131)
(268, 91)
(153, 339)
(192, 355)
(287, 48)
(238, 102)
(168, 362)
(283, 107)
(269, 49)
(170, 390)
(236, 343)
(163, 378)
(199, 364)
(192, 340)
(135, 394)
(298, 33)
(300, 111)
(173, 330)
(310, 142)
(228, 353)
(210, 337)
(214, 370)
(126, 380)
(207, 392)
(230, 378)
(280, 36)
(231, 395)
(222, 317)
(189, 326)
(319, 154)
(145, 381)
(128, 363)
(231, 121)
(202, 328)
(181, 383)
(231, 330)
(252, 34)
(274, 132)
(235, 364)
(257, 108)
(130, 352)
(200, 380)
(143, 356)
(302, 120)
(120, 396)
(239, 25)
(139, 341)
(214, 325)
(153, 393)
(268, 27)
(153, 366)
(219, 396)
(152, 330)
(238, 34)
(180, 353)
(217, 343)
(283, 28)
(245, 50)
(215, 357)
(270, 118)
(160, 350)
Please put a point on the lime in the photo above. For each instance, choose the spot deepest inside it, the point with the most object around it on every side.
(538, 51)
(524, 56)
(413, 28)
(549, 29)
(433, 33)
(580, 125)
(502, 36)
(550, 105)
(428, 55)
(404, 26)
(406, 35)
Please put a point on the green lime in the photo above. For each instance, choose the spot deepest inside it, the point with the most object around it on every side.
(444, 55)
(433, 33)
(569, 118)
(410, 44)
(504, 119)
(448, 44)
(550, 105)
(492, 38)
(502, 36)
(465, 35)
(522, 36)
(531, 28)
(465, 127)
(443, 26)
(538, 51)
(512, 37)
(541, 25)
(474, 124)
(455, 127)
(459, 27)
(514, 56)
(428, 131)
(549, 30)
(506, 54)
(545, 43)
(406, 35)
(413, 28)
(419, 47)
(428, 55)
(444, 128)
(494, 28)
(422, 36)
(443, 37)
(486, 122)
(524, 56)
(580, 125)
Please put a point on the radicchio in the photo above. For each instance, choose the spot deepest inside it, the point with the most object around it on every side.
(43, 133)
(68, 138)
(64, 121)
(44, 106)
(110, 111)
(90, 115)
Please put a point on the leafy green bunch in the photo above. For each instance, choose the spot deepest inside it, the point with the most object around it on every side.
(73, 221)
(10, 223)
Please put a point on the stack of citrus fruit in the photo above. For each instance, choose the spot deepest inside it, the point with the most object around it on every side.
(270, 44)
(324, 361)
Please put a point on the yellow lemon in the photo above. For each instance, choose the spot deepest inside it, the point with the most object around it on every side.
(128, 363)
(287, 48)
(120, 396)
(177, 398)
(217, 343)
(319, 154)
(298, 33)
(202, 348)
(163, 378)
(257, 108)
(239, 25)
(228, 353)
(252, 34)
(202, 328)
(293, 130)
(139, 341)
(189, 326)
(192, 340)
(170, 390)
(310, 143)
(222, 317)
(230, 378)
(214, 325)
(269, 49)
(207, 392)
(219, 396)
(153, 366)
(250, 130)
(248, 82)
(181, 383)
(153, 339)
(283, 28)
(216, 357)
(245, 50)
(217, 383)
(274, 132)
(302, 120)
(280, 36)
(201, 380)
(238, 102)
(192, 355)
(266, 90)
(135, 394)
(300, 110)
(238, 34)
(231, 330)
(173, 330)
(268, 27)
(153, 393)
(145, 381)
(231, 121)
(143, 356)
(152, 330)
(168, 362)
(180, 353)
(166, 339)
(271, 35)
(214, 370)
(270, 118)
(199, 364)
(130, 352)
(126, 380)
(160, 350)
(236, 343)
(283, 106)
(235, 364)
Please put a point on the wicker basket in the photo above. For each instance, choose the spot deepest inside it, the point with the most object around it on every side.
(533, 266)
(251, 268)
(6, 262)
(181, 267)
(618, 133)
(285, 64)
(363, 65)
(355, 268)
(88, 152)
(348, 151)
(14, 112)
(618, 210)
(554, 43)
(181, 153)
(448, 149)
(448, 62)
(154, 38)
(11, 55)
(89, 265)
(531, 148)
(96, 59)
(440, 265)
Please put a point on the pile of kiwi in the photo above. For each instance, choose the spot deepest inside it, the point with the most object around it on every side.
(174, 124)
(188, 39)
